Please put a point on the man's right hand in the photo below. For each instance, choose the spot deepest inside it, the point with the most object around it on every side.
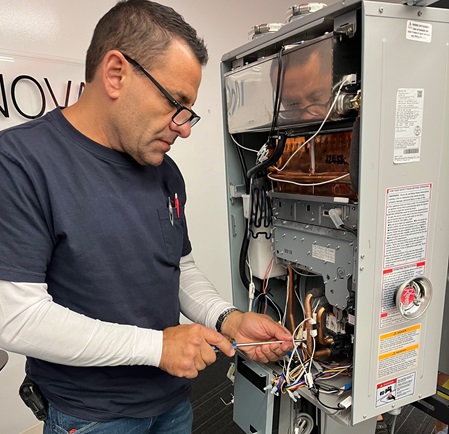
(187, 349)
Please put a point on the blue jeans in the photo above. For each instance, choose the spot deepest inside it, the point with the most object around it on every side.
(175, 421)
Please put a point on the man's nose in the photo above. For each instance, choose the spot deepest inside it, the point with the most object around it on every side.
(182, 130)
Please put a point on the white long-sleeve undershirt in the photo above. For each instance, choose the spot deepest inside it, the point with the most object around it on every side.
(32, 324)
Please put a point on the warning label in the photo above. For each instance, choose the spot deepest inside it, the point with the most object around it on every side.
(397, 388)
(407, 218)
(398, 350)
(408, 125)
(418, 31)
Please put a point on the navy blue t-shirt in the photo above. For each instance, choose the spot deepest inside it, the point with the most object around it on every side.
(94, 225)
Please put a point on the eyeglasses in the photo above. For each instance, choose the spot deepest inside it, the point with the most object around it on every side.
(293, 110)
(183, 114)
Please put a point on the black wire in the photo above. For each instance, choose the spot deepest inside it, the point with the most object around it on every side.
(250, 173)
(244, 168)
(277, 99)
(348, 229)
(278, 151)
(272, 135)
(262, 299)
(261, 211)
(317, 396)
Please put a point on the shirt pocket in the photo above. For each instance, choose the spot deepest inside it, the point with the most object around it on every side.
(172, 233)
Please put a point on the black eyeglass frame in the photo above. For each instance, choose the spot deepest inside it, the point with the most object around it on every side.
(193, 118)
(291, 108)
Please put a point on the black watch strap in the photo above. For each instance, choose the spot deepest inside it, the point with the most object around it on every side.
(223, 316)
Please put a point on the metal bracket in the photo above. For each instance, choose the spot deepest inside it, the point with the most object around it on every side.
(236, 191)
(346, 25)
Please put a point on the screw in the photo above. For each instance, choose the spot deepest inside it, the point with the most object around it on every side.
(381, 10)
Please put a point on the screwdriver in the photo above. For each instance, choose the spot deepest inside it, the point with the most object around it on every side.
(236, 345)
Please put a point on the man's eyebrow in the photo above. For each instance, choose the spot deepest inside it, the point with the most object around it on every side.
(318, 94)
(182, 98)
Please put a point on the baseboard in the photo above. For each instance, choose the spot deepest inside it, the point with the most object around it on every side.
(35, 429)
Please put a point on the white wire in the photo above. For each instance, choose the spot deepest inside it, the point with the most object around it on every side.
(251, 284)
(308, 185)
(277, 309)
(311, 355)
(284, 319)
(301, 303)
(295, 350)
(241, 146)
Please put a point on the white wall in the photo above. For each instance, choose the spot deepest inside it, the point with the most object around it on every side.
(63, 29)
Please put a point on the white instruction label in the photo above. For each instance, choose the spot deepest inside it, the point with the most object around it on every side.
(390, 391)
(408, 125)
(398, 350)
(324, 253)
(406, 224)
(419, 31)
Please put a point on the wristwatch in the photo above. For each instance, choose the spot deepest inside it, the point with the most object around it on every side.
(221, 319)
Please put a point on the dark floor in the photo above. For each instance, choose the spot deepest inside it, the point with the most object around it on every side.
(212, 406)
(212, 400)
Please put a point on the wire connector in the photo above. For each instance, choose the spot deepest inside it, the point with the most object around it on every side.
(291, 395)
(350, 79)
(308, 378)
(334, 215)
(346, 403)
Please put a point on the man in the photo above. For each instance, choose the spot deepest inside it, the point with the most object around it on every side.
(95, 259)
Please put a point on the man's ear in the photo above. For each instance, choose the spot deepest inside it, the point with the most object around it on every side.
(114, 70)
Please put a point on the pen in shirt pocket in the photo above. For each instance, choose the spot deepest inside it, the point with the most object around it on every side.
(170, 210)
(177, 206)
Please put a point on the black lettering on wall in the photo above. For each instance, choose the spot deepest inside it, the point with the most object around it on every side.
(14, 101)
(67, 94)
(4, 109)
(19, 106)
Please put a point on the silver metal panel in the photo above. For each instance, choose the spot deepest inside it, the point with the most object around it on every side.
(394, 60)
(250, 97)
(255, 409)
(301, 209)
(323, 251)
(444, 349)
(250, 90)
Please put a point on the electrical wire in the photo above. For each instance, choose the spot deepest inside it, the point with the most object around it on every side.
(243, 147)
(314, 184)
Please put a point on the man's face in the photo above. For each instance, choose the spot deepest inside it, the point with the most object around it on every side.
(307, 89)
(146, 129)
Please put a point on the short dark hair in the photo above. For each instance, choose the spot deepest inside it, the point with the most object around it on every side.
(142, 29)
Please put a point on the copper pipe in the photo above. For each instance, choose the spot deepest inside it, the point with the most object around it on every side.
(318, 354)
(291, 299)
(308, 312)
(322, 354)
(319, 319)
